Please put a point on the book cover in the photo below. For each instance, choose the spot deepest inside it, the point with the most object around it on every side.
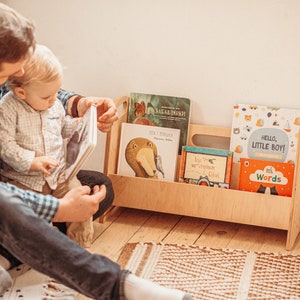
(266, 177)
(162, 111)
(148, 151)
(264, 133)
(81, 144)
(205, 166)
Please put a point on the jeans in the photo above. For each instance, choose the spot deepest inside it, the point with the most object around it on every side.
(86, 177)
(36, 243)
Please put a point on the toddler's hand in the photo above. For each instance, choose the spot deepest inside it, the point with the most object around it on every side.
(43, 164)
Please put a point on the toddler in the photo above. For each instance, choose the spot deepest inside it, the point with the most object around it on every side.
(33, 127)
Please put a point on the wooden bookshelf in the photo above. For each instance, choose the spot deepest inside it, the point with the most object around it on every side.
(229, 205)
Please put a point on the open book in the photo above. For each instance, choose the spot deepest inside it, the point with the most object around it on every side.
(81, 144)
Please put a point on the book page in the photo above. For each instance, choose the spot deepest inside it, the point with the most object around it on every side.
(82, 142)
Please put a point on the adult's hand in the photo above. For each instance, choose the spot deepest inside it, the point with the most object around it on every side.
(78, 205)
(106, 111)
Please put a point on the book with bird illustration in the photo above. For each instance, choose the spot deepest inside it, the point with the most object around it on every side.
(162, 111)
(148, 151)
(205, 166)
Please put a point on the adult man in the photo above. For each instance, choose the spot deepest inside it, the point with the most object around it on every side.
(24, 215)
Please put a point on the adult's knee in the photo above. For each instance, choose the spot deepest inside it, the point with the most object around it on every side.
(92, 178)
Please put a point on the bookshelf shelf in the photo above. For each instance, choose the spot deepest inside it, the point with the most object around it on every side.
(229, 205)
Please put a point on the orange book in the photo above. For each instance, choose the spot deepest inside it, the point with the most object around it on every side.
(269, 177)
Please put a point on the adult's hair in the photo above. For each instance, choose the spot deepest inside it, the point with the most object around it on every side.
(41, 67)
(16, 35)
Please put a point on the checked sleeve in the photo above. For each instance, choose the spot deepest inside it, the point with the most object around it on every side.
(45, 206)
(64, 96)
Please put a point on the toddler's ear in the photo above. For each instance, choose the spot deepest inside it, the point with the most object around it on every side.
(20, 92)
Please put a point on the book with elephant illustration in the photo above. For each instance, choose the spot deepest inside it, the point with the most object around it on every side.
(81, 144)
(148, 151)
(161, 111)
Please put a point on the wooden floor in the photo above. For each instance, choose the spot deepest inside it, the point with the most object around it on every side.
(128, 225)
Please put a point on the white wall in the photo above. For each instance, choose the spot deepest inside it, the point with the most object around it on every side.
(216, 52)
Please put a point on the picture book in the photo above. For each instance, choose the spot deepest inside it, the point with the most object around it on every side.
(148, 151)
(205, 166)
(161, 111)
(266, 177)
(264, 133)
(81, 144)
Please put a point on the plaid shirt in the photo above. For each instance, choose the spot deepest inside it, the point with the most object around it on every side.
(45, 206)
(26, 134)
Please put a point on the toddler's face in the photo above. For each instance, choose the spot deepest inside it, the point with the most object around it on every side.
(41, 96)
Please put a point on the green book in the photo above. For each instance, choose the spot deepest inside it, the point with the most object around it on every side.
(161, 111)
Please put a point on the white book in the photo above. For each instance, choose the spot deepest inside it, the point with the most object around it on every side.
(264, 133)
(81, 144)
(148, 151)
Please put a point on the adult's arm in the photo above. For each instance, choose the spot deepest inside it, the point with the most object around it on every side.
(106, 108)
(45, 206)
(107, 112)
(63, 95)
(76, 206)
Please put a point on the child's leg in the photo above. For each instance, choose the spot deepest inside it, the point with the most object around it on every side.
(80, 232)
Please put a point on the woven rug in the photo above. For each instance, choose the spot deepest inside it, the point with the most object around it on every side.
(29, 284)
(207, 273)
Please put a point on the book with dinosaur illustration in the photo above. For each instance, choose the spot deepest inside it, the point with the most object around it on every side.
(148, 151)
(267, 177)
(264, 133)
(205, 166)
(162, 111)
